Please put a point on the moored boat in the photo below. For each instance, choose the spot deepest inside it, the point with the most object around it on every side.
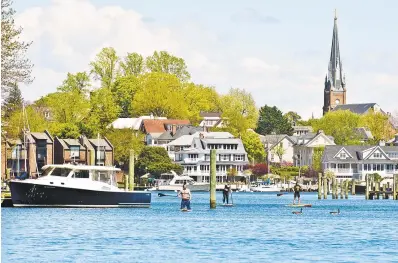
(176, 183)
(266, 188)
(70, 185)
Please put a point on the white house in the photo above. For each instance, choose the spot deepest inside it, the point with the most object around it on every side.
(354, 162)
(193, 153)
(282, 141)
(132, 123)
(211, 119)
(303, 149)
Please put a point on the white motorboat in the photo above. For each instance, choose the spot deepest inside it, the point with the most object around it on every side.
(176, 183)
(266, 188)
(69, 185)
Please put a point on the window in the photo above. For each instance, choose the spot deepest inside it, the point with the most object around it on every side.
(46, 114)
(239, 157)
(81, 174)
(63, 172)
(225, 157)
(343, 155)
(207, 157)
(272, 157)
(74, 151)
(390, 167)
(377, 155)
(333, 165)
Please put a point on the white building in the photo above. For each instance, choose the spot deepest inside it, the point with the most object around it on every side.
(348, 162)
(273, 141)
(303, 149)
(193, 153)
(132, 123)
(211, 119)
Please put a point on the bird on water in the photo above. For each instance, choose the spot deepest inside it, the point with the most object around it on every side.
(335, 212)
(298, 212)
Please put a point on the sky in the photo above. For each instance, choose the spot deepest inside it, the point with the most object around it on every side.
(278, 50)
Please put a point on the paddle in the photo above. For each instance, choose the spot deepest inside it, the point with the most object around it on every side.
(161, 195)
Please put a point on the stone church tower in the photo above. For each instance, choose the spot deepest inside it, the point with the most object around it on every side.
(335, 92)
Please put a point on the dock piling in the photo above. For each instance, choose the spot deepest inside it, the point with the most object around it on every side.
(346, 189)
(319, 185)
(341, 189)
(325, 187)
(131, 171)
(394, 187)
(367, 187)
(126, 182)
(353, 187)
(213, 181)
(333, 189)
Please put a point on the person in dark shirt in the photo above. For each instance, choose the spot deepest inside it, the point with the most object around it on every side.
(225, 194)
(296, 189)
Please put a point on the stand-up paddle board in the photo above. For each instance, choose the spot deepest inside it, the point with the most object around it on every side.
(185, 210)
(227, 204)
(300, 205)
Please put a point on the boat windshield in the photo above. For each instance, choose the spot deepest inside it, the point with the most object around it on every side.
(63, 172)
(47, 171)
(81, 174)
(107, 177)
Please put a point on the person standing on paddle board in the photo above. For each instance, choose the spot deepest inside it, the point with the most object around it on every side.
(185, 194)
(225, 194)
(297, 189)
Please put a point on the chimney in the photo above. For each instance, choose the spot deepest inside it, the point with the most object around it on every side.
(173, 129)
(382, 143)
(320, 131)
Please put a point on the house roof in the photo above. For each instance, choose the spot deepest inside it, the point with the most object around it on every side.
(165, 136)
(126, 123)
(354, 150)
(157, 126)
(364, 133)
(187, 130)
(361, 108)
(273, 138)
(182, 141)
(100, 142)
(210, 114)
(41, 136)
(307, 138)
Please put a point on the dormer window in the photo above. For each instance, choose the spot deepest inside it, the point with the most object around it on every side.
(343, 155)
(377, 155)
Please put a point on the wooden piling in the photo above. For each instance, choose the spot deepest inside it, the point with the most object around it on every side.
(394, 187)
(346, 189)
(341, 189)
(333, 189)
(126, 182)
(319, 185)
(131, 171)
(213, 181)
(353, 187)
(92, 157)
(325, 187)
(378, 190)
(367, 187)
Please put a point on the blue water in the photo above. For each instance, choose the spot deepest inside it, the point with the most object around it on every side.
(258, 229)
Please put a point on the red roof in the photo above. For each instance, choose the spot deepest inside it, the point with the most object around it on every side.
(157, 126)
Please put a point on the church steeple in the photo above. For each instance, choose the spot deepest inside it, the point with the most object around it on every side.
(335, 71)
(335, 91)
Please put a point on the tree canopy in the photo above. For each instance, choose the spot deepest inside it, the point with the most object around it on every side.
(271, 120)
(253, 146)
(164, 62)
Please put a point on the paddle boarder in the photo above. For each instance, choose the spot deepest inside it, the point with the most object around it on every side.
(225, 194)
(185, 194)
(296, 189)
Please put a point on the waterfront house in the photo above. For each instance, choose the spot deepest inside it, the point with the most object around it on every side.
(211, 119)
(273, 141)
(160, 132)
(40, 151)
(193, 153)
(13, 153)
(304, 145)
(99, 151)
(70, 151)
(355, 161)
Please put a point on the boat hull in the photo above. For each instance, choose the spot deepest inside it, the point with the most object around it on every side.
(26, 194)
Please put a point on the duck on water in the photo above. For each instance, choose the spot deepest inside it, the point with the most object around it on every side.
(70, 185)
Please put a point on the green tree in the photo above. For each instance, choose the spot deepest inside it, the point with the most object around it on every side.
(253, 146)
(317, 158)
(103, 110)
(155, 160)
(65, 130)
(164, 62)
(123, 92)
(160, 94)
(79, 82)
(132, 65)
(104, 67)
(272, 120)
(341, 125)
(15, 67)
(124, 140)
(292, 117)
(379, 124)
(35, 122)
(239, 110)
(279, 151)
(12, 102)
(200, 98)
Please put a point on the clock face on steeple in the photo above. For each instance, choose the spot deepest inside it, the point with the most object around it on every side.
(337, 102)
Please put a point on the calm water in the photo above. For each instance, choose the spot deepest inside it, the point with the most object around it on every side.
(258, 229)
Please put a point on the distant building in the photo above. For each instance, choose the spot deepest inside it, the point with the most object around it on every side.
(364, 134)
(301, 130)
(132, 123)
(354, 162)
(211, 119)
(99, 151)
(160, 132)
(393, 141)
(360, 108)
(193, 153)
(278, 140)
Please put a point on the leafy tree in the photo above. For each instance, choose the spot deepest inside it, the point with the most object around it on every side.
(239, 110)
(103, 110)
(317, 158)
(279, 151)
(155, 160)
(35, 122)
(253, 146)
(79, 82)
(232, 172)
(164, 62)
(15, 67)
(160, 94)
(132, 65)
(12, 102)
(259, 169)
(379, 124)
(124, 140)
(292, 117)
(200, 98)
(65, 130)
(341, 125)
(123, 92)
(272, 120)
(104, 67)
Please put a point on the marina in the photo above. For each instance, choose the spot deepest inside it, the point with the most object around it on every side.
(258, 228)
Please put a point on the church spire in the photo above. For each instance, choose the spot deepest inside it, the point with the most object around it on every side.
(335, 72)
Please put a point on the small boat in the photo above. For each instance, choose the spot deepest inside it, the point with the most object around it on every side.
(176, 183)
(270, 188)
(68, 185)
